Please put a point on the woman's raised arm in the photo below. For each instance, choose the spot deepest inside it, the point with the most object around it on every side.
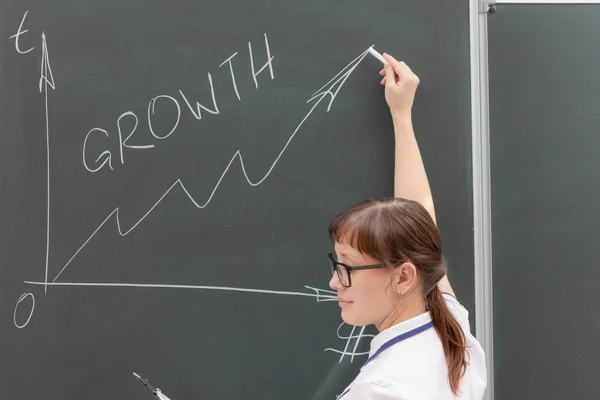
(410, 178)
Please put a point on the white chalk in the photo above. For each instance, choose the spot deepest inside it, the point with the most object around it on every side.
(159, 395)
(376, 54)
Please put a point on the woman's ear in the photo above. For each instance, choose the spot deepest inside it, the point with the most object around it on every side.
(405, 278)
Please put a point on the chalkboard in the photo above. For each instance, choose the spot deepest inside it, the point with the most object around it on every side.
(545, 174)
(123, 250)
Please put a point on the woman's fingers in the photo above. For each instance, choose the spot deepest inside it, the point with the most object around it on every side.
(395, 71)
(400, 68)
(393, 62)
(390, 77)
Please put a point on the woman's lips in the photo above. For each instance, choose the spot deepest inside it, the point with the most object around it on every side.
(343, 303)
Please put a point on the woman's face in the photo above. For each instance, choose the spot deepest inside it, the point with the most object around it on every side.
(370, 298)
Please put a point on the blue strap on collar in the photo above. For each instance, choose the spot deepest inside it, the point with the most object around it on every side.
(343, 394)
(400, 338)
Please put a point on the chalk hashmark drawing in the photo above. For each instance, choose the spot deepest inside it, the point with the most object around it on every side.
(330, 90)
(353, 336)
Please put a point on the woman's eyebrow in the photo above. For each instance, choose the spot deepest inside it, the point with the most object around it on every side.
(348, 256)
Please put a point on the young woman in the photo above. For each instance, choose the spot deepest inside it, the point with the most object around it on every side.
(388, 271)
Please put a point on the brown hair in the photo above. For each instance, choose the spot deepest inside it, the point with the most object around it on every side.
(395, 231)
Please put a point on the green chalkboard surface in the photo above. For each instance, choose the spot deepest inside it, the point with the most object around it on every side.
(545, 174)
(168, 170)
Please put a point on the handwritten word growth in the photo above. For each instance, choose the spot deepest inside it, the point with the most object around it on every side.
(105, 158)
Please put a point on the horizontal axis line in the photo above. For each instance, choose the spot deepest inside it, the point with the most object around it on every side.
(197, 287)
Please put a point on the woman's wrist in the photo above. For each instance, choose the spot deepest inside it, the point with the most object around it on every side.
(403, 116)
(402, 122)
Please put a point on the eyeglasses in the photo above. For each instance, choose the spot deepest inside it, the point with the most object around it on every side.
(343, 270)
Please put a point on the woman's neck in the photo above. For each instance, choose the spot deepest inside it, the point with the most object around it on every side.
(405, 310)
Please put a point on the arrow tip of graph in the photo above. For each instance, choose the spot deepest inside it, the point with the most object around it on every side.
(46, 70)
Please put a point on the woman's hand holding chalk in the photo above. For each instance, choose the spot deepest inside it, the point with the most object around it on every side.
(400, 83)
(400, 86)
(376, 54)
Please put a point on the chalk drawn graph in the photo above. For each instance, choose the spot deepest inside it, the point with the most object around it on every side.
(326, 94)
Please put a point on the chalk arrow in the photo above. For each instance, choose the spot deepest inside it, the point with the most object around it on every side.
(46, 70)
(46, 79)
(329, 90)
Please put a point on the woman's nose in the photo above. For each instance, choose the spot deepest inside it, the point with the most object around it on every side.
(335, 283)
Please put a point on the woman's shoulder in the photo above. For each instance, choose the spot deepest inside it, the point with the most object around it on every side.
(423, 357)
(458, 310)
(401, 386)
(423, 378)
(408, 366)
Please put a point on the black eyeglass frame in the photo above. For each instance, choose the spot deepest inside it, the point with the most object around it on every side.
(334, 268)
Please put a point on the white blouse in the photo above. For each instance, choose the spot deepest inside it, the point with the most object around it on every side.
(407, 362)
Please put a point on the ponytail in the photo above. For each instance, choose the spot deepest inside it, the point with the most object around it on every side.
(451, 335)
